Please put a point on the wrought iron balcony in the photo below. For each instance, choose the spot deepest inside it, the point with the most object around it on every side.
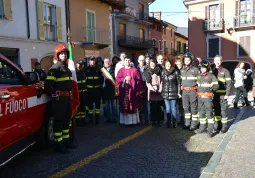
(243, 21)
(119, 4)
(134, 42)
(90, 36)
(143, 18)
(213, 25)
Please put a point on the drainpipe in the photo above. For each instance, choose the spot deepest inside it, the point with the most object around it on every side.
(113, 32)
(27, 17)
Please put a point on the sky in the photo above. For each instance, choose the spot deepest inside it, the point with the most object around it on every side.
(177, 19)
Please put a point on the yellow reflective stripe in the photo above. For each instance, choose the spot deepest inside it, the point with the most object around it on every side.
(222, 79)
(90, 86)
(210, 121)
(228, 79)
(57, 134)
(64, 79)
(218, 118)
(202, 121)
(81, 81)
(206, 85)
(220, 91)
(87, 108)
(215, 83)
(58, 139)
(191, 78)
(82, 90)
(65, 131)
(95, 77)
(225, 120)
(51, 78)
(65, 136)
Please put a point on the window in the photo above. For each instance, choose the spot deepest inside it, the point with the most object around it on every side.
(165, 48)
(213, 47)
(154, 43)
(179, 46)
(91, 26)
(142, 34)
(1, 9)
(244, 46)
(171, 32)
(245, 11)
(141, 10)
(49, 17)
(214, 15)
(164, 30)
(171, 47)
(184, 47)
(122, 30)
(160, 45)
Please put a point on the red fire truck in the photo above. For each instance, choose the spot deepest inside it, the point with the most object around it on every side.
(25, 118)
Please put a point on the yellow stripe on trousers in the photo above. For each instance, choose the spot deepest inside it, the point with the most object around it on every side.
(98, 154)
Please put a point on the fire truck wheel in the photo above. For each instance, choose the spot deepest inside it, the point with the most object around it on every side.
(44, 138)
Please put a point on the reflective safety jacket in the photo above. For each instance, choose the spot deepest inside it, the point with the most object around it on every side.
(207, 83)
(189, 76)
(59, 78)
(224, 80)
(81, 80)
(94, 77)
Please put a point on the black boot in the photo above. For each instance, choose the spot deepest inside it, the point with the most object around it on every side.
(174, 123)
(210, 133)
(69, 144)
(60, 148)
(186, 124)
(224, 128)
(202, 128)
(217, 126)
(235, 105)
(247, 103)
(153, 123)
(168, 121)
(158, 123)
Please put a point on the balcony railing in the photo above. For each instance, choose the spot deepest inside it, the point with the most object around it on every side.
(93, 35)
(143, 17)
(134, 42)
(115, 2)
(213, 25)
(244, 21)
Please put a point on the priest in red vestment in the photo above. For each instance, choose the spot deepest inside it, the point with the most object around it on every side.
(129, 85)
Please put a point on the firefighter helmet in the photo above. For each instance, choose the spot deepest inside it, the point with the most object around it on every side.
(188, 55)
(205, 64)
(61, 48)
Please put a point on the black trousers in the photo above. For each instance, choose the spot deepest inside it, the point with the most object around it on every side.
(94, 96)
(81, 110)
(189, 101)
(62, 111)
(156, 112)
(220, 108)
(206, 113)
(239, 91)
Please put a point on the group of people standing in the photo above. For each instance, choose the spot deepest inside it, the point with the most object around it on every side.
(162, 91)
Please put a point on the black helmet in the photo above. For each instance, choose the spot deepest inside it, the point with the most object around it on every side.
(189, 55)
(205, 64)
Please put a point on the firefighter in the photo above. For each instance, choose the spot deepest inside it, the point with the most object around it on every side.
(81, 79)
(189, 75)
(207, 83)
(94, 89)
(58, 85)
(221, 95)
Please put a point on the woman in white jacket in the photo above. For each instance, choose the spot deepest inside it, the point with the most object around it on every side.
(239, 83)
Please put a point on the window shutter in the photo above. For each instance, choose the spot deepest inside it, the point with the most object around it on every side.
(237, 8)
(41, 28)
(242, 46)
(59, 24)
(221, 10)
(248, 45)
(7, 9)
(206, 12)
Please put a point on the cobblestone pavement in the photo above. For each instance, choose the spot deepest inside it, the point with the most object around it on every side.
(238, 159)
(160, 152)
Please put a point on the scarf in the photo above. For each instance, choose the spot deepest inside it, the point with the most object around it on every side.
(150, 72)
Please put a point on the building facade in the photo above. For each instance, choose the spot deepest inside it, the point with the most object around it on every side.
(225, 28)
(181, 43)
(168, 40)
(131, 29)
(30, 30)
(91, 28)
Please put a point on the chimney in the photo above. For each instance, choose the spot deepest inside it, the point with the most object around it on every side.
(157, 15)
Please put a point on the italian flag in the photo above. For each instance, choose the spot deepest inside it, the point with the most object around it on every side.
(75, 91)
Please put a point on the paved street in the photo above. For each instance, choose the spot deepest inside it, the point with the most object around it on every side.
(238, 158)
(159, 152)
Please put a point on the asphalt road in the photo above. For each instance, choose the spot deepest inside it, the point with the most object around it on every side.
(111, 150)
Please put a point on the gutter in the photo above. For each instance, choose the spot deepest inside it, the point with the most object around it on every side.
(27, 17)
(67, 4)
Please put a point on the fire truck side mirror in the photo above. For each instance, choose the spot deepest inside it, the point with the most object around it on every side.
(32, 77)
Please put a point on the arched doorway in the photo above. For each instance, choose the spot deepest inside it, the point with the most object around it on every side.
(47, 62)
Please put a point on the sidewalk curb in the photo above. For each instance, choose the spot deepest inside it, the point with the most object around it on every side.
(209, 170)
